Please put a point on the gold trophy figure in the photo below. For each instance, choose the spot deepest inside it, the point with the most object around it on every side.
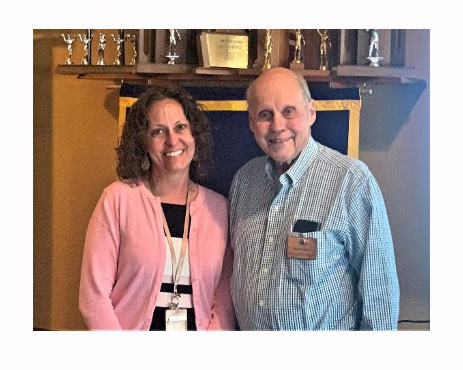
(101, 47)
(268, 50)
(298, 47)
(119, 45)
(297, 62)
(325, 47)
(86, 40)
(133, 39)
(69, 41)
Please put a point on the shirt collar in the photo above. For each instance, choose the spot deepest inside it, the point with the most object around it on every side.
(297, 169)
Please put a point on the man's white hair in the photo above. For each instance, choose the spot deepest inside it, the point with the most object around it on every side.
(302, 84)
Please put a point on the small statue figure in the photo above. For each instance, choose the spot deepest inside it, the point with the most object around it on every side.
(172, 40)
(86, 40)
(69, 41)
(374, 38)
(325, 47)
(268, 50)
(101, 47)
(133, 39)
(173, 46)
(373, 50)
(298, 47)
(119, 45)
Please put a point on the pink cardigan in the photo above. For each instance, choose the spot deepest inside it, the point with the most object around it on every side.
(125, 253)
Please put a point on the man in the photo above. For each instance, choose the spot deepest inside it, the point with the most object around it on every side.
(309, 229)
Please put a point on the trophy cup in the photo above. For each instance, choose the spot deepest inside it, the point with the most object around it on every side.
(172, 46)
(101, 47)
(325, 47)
(87, 41)
(120, 48)
(297, 62)
(69, 41)
(133, 39)
(373, 54)
(268, 50)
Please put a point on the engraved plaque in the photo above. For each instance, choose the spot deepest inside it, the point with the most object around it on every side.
(224, 50)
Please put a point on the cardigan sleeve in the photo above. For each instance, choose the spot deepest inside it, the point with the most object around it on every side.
(99, 265)
(223, 315)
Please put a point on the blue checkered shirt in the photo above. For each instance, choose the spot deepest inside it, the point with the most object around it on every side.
(351, 285)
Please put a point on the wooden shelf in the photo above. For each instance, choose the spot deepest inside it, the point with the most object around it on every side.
(369, 71)
(216, 71)
(159, 68)
(76, 69)
(152, 73)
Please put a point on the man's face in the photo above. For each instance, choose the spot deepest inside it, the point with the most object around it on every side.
(280, 116)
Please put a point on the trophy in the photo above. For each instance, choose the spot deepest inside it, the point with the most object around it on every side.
(120, 48)
(69, 41)
(87, 41)
(101, 47)
(297, 61)
(268, 50)
(173, 46)
(325, 47)
(133, 39)
(373, 54)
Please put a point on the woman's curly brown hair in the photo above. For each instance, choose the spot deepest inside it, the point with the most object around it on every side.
(133, 149)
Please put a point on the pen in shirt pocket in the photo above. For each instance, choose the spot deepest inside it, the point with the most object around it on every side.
(306, 226)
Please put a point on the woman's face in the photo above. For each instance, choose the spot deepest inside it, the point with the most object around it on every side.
(170, 142)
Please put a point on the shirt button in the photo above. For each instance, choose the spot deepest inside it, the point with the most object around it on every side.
(265, 269)
(270, 239)
(261, 302)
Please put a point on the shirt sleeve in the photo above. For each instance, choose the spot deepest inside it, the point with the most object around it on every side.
(232, 194)
(372, 255)
(223, 315)
(99, 266)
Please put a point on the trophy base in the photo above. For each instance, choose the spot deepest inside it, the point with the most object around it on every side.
(101, 63)
(323, 68)
(374, 61)
(296, 65)
(266, 66)
(171, 58)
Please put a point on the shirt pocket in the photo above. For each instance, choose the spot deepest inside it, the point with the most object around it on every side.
(330, 253)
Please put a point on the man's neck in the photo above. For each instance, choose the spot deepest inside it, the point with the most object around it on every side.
(280, 168)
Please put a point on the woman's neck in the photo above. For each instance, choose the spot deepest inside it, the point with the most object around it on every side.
(170, 188)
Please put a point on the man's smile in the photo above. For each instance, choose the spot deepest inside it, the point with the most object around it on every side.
(279, 140)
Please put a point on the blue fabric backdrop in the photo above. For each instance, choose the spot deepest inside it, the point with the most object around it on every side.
(234, 143)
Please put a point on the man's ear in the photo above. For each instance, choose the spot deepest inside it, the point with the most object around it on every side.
(311, 112)
(251, 126)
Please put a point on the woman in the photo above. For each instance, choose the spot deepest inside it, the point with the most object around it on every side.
(156, 242)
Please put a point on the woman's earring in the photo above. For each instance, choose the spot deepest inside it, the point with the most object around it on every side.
(145, 164)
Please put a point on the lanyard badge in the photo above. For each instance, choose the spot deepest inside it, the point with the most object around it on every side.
(176, 318)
